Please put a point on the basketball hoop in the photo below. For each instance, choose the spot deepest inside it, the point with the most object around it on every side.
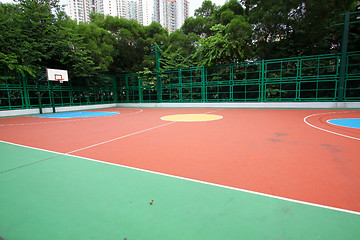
(57, 75)
(59, 78)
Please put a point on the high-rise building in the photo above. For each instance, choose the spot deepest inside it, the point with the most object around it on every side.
(133, 9)
(140, 10)
(122, 9)
(79, 10)
(171, 14)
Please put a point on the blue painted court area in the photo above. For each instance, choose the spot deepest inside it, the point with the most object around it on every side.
(76, 114)
(346, 122)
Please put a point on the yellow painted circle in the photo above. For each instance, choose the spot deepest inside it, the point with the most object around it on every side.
(191, 117)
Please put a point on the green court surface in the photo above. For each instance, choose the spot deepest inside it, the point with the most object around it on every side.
(66, 197)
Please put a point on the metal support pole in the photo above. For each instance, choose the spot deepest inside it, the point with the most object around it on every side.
(344, 45)
(115, 89)
(262, 87)
(39, 96)
(180, 86)
(203, 84)
(157, 70)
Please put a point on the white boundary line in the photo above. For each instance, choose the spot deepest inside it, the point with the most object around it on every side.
(311, 125)
(114, 139)
(70, 120)
(194, 180)
(131, 134)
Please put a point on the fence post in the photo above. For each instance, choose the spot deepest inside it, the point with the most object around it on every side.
(203, 81)
(127, 91)
(231, 87)
(71, 95)
(180, 86)
(262, 78)
(140, 88)
(344, 44)
(114, 89)
(26, 92)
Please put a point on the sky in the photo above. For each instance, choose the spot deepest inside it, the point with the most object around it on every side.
(194, 4)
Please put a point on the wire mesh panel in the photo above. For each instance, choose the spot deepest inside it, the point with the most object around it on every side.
(352, 84)
(171, 85)
(148, 87)
(11, 98)
(218, 84)
(80, 96)
(192, 85)
(247, 81)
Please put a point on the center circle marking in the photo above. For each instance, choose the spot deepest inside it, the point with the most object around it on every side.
(191, 117)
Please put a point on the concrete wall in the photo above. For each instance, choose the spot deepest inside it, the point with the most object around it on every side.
(20, 112)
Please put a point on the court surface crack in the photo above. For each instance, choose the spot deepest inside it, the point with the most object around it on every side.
(29, 164)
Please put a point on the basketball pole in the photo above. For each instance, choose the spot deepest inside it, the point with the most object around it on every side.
(344, 45)
(39, 95)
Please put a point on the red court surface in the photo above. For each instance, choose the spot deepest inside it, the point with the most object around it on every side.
(292, 154)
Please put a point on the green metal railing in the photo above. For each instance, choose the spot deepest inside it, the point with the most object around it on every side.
(19, 92)
(313, 78)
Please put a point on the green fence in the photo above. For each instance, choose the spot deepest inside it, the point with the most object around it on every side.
(313, 78)
(19, 92)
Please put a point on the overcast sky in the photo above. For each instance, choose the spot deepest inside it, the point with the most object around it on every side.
(194, 4)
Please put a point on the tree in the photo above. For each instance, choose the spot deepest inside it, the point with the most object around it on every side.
(295, 27)
(206, 10)
(228, 11)
(100, 44)
(132, 42)
(228, 44)
(180, 51)
(203, 21)
(36, 34)
(9, 31)
(199, 25)
(28, 41)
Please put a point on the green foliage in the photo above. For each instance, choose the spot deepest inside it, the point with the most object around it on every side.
(99, 43)
(228, 11)
(203, 21)
(294, 28)
(130, 43)
(28, 30)
(200, 26)
(229, 44)
(36, 34)
(180, 51)
(207, 9)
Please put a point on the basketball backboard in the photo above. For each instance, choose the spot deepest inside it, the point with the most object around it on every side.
(57, 75)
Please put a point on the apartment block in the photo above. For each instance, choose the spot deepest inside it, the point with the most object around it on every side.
(140, 10)
(171, 14)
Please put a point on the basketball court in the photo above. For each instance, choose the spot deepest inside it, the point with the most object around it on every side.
(170, 173)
